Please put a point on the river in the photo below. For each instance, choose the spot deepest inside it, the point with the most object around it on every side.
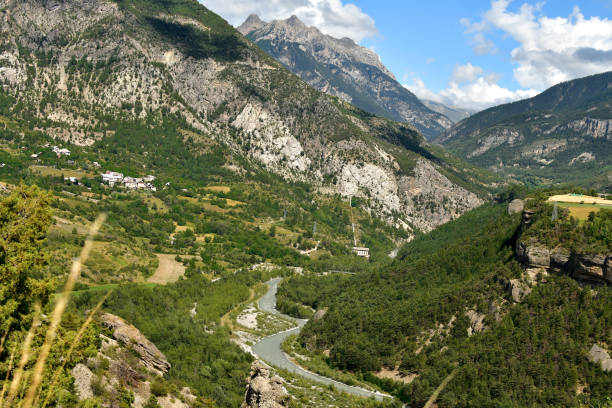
(269, 348)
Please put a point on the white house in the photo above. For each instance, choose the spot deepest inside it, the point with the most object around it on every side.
(61, 152)
(360, 251)
(149, 179)
(112, 177)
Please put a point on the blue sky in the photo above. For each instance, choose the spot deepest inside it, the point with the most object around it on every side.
(474, 53)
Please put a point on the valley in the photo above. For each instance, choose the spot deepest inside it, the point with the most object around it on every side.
(194, 215)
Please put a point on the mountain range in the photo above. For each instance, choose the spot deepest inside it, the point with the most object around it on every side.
(563, 134)
(342, 68)
(74, 70)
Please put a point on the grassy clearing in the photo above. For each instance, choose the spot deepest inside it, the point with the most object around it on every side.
(156, 204)
(46, 171)
(219, 189)
(582, 211)
(118, 262)
(169, 270)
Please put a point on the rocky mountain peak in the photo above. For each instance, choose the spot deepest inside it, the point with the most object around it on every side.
(252, 23)
(294, 21)
(344, 69)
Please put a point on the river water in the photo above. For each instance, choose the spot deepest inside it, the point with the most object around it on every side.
(269, 348)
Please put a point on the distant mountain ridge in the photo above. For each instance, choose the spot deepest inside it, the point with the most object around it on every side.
(454, 114)
(563, 134)
(342, 68)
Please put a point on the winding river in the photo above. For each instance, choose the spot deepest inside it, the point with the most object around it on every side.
(269, 348)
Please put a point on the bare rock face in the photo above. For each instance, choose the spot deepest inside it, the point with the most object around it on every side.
(533, 255)
(608, 269)
(516, 206)
(476, 322)
(518, 290)
(130, 336)
(559, 257)
(275, 121)
(600, 356)
(538, 256)
(83, 377)
(589, 267)
(263, 391)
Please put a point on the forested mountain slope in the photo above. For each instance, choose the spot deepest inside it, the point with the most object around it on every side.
(344, 69)
(563, 134)
(85, 72)
(458, 301)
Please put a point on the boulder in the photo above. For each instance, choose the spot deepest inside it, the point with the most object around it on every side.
(516, 206)
(537, 256)
(589, 267)
(532, 254)
(608, 269)
(600, 356)
(130, 336)
(264, 391)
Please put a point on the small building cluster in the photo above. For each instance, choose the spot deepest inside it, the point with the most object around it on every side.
(61, 151)
(145, 183)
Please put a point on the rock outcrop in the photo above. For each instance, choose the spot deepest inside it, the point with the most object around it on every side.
(595, 268)
(518, 290)
(476, 322)
(83, 377)
(600, 356)
(516, 206)
(130, 336)
(264, 391)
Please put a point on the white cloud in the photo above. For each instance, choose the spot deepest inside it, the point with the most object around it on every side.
(466, 73)
(332, 17)
(471, 88)
(551, 49)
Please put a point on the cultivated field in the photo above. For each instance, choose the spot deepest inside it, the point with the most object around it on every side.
(580, 206)
(570, 198)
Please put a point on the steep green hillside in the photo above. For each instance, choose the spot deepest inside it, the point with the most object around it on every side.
(563, 134)
(449, 305)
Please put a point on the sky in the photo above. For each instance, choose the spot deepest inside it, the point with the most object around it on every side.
(468, 54)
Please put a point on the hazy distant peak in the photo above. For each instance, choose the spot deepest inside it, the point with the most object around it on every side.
(295, 21)
(252, 23)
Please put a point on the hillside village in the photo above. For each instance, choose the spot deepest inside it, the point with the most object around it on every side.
(112, 178)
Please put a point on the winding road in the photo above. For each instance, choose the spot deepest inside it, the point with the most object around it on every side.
(269, 348)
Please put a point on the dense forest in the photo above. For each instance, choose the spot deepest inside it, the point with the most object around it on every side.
(413, 316)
